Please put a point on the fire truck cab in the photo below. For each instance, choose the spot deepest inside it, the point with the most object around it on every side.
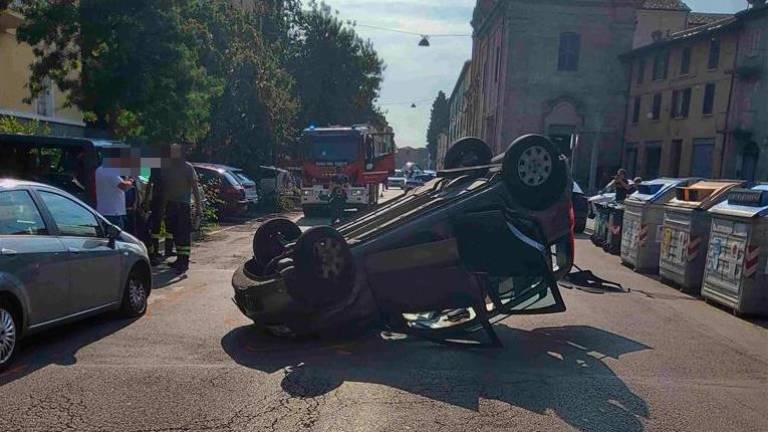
(345, 161)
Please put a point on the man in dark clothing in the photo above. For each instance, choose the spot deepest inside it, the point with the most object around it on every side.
(622, 185)
(158, 206)
(338, 200)
(179, 182)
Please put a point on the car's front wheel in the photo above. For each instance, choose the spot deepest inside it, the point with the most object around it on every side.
(136, 295)
(9, 335)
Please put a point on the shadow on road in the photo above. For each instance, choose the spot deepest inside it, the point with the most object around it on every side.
(60, 346)
(558, 370)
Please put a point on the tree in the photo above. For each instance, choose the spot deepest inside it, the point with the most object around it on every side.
(438, 123)
(132, 66)
(254, 114)
(338, 75)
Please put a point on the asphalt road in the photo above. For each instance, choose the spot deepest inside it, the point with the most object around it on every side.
(650, 359)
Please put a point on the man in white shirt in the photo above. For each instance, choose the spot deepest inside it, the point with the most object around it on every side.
(110, 191)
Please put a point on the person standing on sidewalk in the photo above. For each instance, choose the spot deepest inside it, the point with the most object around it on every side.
(157, 214)
(179, 185)
(110, 191)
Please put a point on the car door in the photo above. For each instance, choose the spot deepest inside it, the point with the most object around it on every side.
(31, 259)
(94, 262)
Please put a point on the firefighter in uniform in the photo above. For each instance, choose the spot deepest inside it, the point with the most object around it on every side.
(157, 216)
(338, 201)
(179, 184)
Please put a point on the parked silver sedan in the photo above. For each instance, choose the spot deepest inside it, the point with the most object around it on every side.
(60, 261)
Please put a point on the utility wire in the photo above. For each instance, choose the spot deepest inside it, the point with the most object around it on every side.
(410, 32)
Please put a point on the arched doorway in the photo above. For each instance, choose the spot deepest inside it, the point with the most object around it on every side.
(750, 155)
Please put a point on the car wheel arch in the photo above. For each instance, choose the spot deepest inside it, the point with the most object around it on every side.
(144, 271)
(17, 308)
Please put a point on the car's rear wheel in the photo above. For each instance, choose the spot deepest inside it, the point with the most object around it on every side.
(534, 172)
(325, 268)
(9, 335)
(468, 152)
(271, 237)
(136, 295)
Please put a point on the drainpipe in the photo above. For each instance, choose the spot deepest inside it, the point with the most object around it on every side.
(726, 135)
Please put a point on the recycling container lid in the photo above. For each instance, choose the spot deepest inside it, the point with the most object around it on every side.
(653, 191)
(746, 203)
(703, 195)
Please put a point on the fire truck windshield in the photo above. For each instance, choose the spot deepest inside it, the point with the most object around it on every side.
(334, 148)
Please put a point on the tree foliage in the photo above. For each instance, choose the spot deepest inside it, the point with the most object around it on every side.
(438, 123)
(255, 112)
(133, 64)
(338, 75)
(14, 126)
(236, 78)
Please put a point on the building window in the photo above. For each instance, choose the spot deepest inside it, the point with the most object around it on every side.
(652, 159)
(681, 103)
(685, 61)
(703, 154)
(656, 112)
(640, 71)
(714, 54)
(45, 102)
(754, 46)
(674, 157)
(661, 65)
(636, 110)
(568, 55)
(709, 99)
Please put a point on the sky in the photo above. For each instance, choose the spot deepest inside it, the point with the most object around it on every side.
(415, 74)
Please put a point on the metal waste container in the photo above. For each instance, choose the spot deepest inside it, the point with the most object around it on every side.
(736, 273)
(686, 233)
(613, 233)
(643, 222)
(601, 224)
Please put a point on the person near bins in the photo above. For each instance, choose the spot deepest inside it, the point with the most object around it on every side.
(623, 187)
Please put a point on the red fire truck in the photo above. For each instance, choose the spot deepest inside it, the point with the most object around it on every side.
(362, 155)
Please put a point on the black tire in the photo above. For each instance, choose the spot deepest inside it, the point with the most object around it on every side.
(135, 295)
(322, 281)
(468, 152)
(9, 334)
(271, 237)
(534, 172)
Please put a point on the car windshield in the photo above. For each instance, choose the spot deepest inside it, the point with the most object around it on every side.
(334, 148)
(242, 177)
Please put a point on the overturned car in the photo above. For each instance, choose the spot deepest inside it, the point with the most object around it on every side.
(486, 239)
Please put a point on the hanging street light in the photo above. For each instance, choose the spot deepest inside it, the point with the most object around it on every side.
(424, 41)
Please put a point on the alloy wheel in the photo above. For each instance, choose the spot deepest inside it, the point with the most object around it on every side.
(137, 295)
(7, 335)
(535, 166)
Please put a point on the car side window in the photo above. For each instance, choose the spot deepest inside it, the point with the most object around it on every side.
(19, 215)
(71, 218)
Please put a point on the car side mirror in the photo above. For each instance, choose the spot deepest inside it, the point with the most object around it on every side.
(112, 232)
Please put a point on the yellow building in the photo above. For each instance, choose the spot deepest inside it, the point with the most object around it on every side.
(678, 104)
(48, 108)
